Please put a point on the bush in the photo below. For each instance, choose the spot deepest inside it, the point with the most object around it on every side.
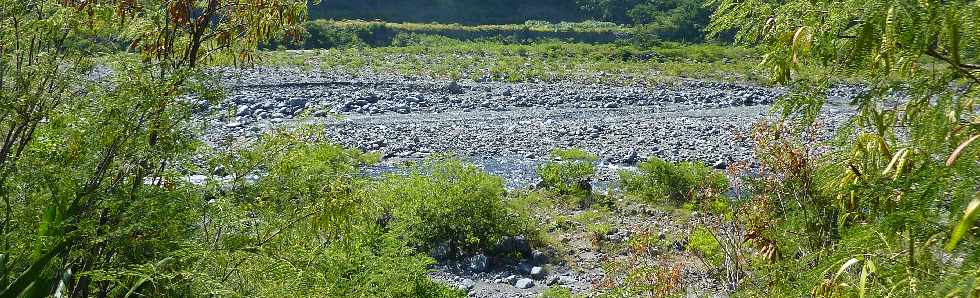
(703, 243)
(303, 228)
(570, 173)
(679, 183)
(447, 200)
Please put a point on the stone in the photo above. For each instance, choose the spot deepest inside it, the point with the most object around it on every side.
(524, 267)
(454, 88)
(478, 263)
(233, 125)
(219, 171)
(552, 281)
(242, 110)
(516, 244)
(720, 165)
(537, 272)
(509, 279)
(467, 285)
(539, 257)
(678, 246)
(565, 280)
(524, 283)
(631, 158)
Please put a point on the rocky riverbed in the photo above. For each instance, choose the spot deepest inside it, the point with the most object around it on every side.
(508, 129)
(505, 127)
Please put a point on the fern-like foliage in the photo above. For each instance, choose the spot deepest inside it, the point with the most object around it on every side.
(901, 172)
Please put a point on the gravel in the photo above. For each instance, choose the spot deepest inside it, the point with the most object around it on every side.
(507, 128)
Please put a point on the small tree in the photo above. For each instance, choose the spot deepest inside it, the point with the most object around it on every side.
(95, 159)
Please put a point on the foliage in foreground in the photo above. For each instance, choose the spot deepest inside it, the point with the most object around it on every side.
(305, 227)
(89, 160)
(884, 209)
(96, 167)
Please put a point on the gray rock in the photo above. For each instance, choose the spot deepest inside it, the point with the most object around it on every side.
(478, 263)
(566, 280)
(524, 267)
(467, 285)
(516, 244)
(537, 272)
(539, 257)
(524, 283)
(242, 110)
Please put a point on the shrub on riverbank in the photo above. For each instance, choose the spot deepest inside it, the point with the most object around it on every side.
(657, 180)
(446, 201)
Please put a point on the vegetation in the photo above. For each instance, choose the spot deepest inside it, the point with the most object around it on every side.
(570, 172)
(544, 61)
(325, 34)
(657, 180)
(89, 169)
(468, 12)
(307, 226)
(107, 192)
(888, 209)
(450, 203)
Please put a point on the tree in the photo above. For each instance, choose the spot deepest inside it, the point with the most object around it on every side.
(87, 164)
(900, 173)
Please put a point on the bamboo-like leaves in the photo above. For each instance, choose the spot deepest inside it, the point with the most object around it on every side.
(969, 217)
(959, 150)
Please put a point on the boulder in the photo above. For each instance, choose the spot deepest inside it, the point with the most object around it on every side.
(478, 263)
(524, 283)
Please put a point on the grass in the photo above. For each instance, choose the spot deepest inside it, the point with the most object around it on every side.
(540, 61)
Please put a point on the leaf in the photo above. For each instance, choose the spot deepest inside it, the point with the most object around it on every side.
(27, 280)
(891, 165)
(959, 150)
(136, 286)
(796, 41)
(866, 271)
(844, 267)
(969, 215)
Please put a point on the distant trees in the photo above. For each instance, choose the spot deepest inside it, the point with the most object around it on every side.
(674, 20)
(468, 12)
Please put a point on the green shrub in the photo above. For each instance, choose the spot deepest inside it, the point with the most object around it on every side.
(570, 173)
(378, 265)
(447, 200)
(679, 183)
(704, 244)
(304, 228)
(558, 292)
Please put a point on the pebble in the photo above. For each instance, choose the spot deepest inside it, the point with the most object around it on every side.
(524, 283)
